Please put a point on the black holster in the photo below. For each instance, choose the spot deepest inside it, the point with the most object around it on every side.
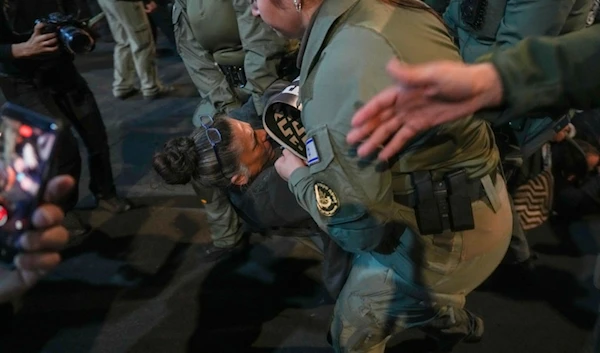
(235, 75)
(446, 204)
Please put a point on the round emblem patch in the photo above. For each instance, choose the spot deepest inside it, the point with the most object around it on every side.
(327, 200)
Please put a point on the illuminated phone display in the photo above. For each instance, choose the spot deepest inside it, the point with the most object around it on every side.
(27, 143)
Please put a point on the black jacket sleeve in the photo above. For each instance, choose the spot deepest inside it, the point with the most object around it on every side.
(5, 42)
(6, 52)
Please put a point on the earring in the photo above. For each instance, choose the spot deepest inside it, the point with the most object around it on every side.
(298, 5)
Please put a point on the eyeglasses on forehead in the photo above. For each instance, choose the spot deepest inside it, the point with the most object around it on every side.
(214, 137)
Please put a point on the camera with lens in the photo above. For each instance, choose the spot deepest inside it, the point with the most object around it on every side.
(71, 33)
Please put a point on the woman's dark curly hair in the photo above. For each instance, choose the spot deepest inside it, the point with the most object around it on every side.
(193, 157)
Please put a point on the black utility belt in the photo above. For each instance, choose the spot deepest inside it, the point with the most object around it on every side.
(445, 204)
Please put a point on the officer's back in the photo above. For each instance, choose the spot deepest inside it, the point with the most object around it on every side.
(479, 25)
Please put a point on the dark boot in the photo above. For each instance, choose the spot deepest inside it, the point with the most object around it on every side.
(212, 253)
(112, 203)
(444, 341)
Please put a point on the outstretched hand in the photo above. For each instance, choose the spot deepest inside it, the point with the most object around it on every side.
(425, 96)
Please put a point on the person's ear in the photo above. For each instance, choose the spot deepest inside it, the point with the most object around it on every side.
(239, 179)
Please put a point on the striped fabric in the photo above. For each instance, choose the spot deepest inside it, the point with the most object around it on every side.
(533, 200)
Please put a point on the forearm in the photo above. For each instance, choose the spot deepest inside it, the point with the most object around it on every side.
(263, 49)
(261, 72)
(551, 73)
(9, 52)
(301, 184)
(247, 112)
(224, 223)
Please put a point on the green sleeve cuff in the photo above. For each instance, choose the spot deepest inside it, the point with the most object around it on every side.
(524, 72)
(297, 177)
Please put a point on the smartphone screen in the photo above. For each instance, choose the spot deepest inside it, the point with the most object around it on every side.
(27, 142)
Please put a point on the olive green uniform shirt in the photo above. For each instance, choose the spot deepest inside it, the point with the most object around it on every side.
(344, 56)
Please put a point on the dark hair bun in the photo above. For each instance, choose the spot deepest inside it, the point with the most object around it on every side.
(177, 162)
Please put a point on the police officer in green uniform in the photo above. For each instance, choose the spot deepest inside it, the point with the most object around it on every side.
(135, 51)
(250, 53)
(480, 26)
(538, 74)
(426, 228)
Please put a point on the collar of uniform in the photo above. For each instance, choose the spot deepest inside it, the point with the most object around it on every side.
(305, 38)
(320, 24)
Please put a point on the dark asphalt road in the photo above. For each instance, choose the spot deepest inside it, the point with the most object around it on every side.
(136, 285)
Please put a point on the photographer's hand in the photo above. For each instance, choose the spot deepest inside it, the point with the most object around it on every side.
(150, 7)
(41, 244)
(37, 44)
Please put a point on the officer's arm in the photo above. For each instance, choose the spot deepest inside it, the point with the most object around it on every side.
(223, 221)
(264, 49)
(551, 73)
(274, 89)
(526, 18)
(247, 112)
(349, 198)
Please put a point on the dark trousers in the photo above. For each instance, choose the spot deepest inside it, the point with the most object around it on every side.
(62, 93)
(161, 19)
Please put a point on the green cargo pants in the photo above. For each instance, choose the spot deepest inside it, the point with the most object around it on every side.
(135, 51)
(427, 285)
